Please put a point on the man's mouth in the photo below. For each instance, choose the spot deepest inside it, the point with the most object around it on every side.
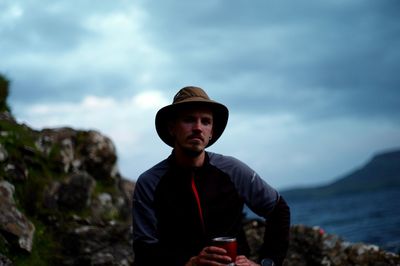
(196, 138)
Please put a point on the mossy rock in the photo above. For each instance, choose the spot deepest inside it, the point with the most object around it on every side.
(4, 90)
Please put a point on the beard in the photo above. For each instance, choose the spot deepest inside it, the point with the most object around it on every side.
(191, 152)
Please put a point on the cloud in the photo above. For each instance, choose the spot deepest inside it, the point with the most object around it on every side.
(94, 52)
(278, 55)
(288, 152)
(116, 117)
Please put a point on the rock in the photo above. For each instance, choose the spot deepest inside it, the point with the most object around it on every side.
(103, 207)
(76, 192)
(313, 246)
(100, 158)
(16, 171)
(127, 187)
(3, 153)
(4, 261)
(50, 195)
(100, 244)
(80, 151)
(19, 230)
(7, 116)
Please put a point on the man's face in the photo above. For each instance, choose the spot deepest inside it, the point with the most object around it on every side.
(192, 129)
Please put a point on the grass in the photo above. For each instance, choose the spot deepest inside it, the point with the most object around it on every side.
(45, 251)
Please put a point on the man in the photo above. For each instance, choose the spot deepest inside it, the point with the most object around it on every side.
(193, 196)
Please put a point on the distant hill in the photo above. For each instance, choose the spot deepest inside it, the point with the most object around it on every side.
(381, 172)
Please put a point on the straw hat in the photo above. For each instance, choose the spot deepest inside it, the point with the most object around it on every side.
(190, 97)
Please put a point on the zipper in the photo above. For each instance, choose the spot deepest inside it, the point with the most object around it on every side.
(197, 197)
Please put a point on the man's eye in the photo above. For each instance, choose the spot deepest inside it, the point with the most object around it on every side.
(206, 122)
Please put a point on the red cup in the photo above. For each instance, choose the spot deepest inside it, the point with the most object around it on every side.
(227, 243)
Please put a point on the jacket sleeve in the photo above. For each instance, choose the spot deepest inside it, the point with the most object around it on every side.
(276, 237)
(146, 242)
(263, 200)
(144, 224)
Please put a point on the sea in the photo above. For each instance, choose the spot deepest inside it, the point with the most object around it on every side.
(371, 218)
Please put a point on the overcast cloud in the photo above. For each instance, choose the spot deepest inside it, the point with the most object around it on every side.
(312, 86)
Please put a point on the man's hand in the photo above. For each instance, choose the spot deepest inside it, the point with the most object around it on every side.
(211, 256)
(244, 261)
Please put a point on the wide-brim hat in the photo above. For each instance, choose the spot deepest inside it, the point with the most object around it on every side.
(190, 97)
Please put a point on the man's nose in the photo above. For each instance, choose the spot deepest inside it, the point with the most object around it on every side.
(197, 125)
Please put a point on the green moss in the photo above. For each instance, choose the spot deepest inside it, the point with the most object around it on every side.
(104, 186)
(46, 249)
(4, 248)
(19, 141)
(17, 135)
(28, 195)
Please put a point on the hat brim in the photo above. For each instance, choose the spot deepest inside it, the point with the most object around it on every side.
(167, 113)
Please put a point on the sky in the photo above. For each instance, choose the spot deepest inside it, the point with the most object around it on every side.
(313, 87)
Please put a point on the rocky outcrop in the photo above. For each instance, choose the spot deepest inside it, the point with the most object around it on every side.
(313, 246)
(67, 183)
(15, 226)
(62, 198)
